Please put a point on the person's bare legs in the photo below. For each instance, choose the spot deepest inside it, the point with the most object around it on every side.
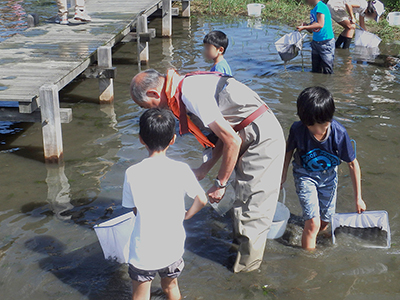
(310, 232)
(62, 7)
(141, 290)
(349, 29)
(171, 288)
(324, 225)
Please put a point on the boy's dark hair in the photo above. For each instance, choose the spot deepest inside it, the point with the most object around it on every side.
(315, 105)
(217, 39)
(157, 128)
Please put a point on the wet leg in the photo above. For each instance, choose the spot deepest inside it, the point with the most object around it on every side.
(311, 229)
(171, 288)
(141, 290)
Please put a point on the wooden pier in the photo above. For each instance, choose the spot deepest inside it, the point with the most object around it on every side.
(36, 64)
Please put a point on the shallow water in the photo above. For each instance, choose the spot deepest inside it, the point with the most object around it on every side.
(48, 249)
(13, 14)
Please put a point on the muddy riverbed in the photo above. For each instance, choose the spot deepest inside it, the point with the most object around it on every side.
(48, 249)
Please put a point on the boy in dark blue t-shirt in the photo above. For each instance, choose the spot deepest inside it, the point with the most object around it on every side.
(321, 143)
(323, 43)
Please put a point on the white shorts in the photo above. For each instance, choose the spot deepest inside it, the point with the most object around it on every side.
(338, 10)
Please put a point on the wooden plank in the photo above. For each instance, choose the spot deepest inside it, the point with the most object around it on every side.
(12, 114)
(38, 62)
(185, 8)
(143, 47)
(166, 18)
(106, 85)
(51, 123)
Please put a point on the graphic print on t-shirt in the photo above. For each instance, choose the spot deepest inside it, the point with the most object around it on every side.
(313, 20)
(319, 160)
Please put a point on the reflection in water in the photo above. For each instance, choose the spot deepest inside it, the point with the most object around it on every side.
(108, 109)
(12, 18)
(58, 194)
(168, 52)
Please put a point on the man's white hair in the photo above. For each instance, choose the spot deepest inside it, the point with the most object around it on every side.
(144, 81)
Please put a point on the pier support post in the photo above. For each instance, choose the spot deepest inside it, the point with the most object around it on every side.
(185, 8)
(167, 18)
(143, 47)
(106, 85)
(51, 123)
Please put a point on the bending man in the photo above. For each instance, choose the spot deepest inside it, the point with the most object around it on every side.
(250, 142)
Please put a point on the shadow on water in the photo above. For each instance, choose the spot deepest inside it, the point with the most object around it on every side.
(209, 235)
(81, 269)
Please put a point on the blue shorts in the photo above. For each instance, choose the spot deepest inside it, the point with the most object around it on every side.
(317, 192)
(171, 271)
(322, 55)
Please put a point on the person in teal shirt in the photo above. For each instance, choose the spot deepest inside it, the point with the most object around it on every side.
(323, 44)
(215, 44)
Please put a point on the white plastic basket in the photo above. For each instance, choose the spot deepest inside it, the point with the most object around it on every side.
(393, 18)
(366, 39)
(281, 217)
(254, 9)
(366, 220)
(114, 236)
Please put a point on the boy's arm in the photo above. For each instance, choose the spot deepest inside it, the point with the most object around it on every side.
(288, 158)
(314, 26)
(199, 202)
(355, 174)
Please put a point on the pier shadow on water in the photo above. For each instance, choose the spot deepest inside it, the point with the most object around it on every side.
(84, 269)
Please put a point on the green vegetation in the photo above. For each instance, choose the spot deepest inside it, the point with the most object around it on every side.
(392, 5)
(291, 12)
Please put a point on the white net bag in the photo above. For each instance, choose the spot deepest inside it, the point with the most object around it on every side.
(289, 45)
(114, 236)
(371, 228)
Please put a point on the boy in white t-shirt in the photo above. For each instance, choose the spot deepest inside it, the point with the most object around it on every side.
(155, 189)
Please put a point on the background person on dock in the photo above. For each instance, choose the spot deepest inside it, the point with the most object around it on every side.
(250, 141)
(323, 43)
(80, 12)
(343, 11)
(215, 45)
(321, 143)
(155, 189)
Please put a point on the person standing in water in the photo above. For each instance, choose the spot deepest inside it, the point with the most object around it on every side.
(215, 45)
(319, 144)
(80, 12)
(343, 11)
(155, 189)
(323, 43)
(250, 142)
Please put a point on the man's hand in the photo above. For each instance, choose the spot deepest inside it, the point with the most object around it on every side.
(361, 206)
(200, 173)
(215, 194)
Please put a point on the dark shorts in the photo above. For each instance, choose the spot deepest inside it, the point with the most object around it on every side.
(171, 271)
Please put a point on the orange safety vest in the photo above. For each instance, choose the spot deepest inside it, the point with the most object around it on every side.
(173, 91)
